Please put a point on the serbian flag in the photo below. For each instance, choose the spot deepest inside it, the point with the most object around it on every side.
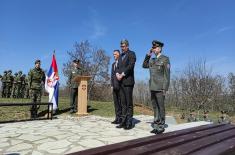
(52, 83)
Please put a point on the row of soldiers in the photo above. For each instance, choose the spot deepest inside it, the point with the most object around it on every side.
(15, 86)
(194, 117)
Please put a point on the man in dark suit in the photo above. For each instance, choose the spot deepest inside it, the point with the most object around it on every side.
(116, 88)
(125, 75)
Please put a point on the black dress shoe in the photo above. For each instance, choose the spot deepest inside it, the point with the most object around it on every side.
(128, 127)
(71, 111)
(154, 131)
(122, 125)
(115, 122)
(160, 131)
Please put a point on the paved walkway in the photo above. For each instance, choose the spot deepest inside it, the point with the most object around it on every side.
(69, 134)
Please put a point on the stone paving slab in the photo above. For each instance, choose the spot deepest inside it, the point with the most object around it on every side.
(71, 134)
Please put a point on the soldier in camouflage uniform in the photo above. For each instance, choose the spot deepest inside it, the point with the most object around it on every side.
(19, 85)
(224, 117)
(159, 68)
(192, 116)
(26, 87)
(14, 87)
(36, 77)
(1, 83)
(73, 85)
(23, 88)
(9, 83)
(4, 79)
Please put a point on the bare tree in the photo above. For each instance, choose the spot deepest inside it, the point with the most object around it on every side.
(141, 93)
(231, 90)
(198, 83)
(94, 61)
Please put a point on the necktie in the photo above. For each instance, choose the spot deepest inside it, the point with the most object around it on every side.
(115, 65)
(123, 55)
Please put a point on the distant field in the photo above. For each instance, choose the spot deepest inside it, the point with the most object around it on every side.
(105, 109)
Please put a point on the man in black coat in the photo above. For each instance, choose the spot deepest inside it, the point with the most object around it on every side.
(125, 75)
(116, 88)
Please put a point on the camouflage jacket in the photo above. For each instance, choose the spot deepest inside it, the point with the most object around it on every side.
(73, 73)
(4, 78)
(9, 79)
(15, 80)
(19, 79)
(24, 81)
(35, 78)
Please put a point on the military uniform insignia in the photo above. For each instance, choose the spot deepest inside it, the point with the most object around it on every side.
(151, 63)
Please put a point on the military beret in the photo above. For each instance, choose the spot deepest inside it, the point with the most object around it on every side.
(125, 41)
(76, 61)
(20, 72)
(37, 61)
(157, 43)
(10, 71)
(5, 71)
(16, 73)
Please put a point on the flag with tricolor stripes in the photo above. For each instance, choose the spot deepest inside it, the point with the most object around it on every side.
(52, 83)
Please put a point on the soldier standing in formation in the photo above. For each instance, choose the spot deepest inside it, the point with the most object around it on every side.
(36, 77)
(19, 85)
(27, 87)
(1, 83)
(14, 87)
(73, 85)
(9, 82)
(4, 79)
(23, 88)
(159, 68)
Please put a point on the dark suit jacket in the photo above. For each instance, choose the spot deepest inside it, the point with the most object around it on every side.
(114, 81)
(127, 66)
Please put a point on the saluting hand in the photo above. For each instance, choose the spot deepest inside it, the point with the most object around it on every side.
(150, 52)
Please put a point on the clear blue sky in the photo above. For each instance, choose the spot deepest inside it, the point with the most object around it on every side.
(32, 29)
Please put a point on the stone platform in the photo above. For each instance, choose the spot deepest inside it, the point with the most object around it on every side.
(68, 134)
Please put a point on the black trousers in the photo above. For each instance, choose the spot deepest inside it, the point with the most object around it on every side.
(126, 93)
(73, 98)
(117, 104)
(157, 99)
